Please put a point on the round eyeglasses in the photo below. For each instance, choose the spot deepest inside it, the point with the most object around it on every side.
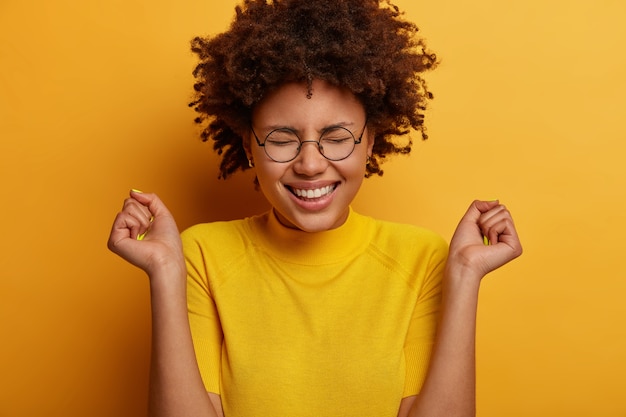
(283, 145)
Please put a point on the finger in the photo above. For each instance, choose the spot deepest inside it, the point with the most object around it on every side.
(506, 231)
(152, 202)
(160, 222)
(477, 209)
(133, 205)
(493, 212)
(472, 218)
(138, 218)
(137, 210)
(132, 222)
(488, 219)
(504, 235)
(143, 234)
(123, 242)
(497, 229)
(124, 227)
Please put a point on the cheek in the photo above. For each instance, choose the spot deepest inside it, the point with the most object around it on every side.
(354, 172)
(258, 154)
(267, 171)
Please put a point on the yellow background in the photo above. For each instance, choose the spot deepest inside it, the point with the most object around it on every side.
(529, 109)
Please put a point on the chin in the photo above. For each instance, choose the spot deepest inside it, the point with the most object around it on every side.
(313, 223)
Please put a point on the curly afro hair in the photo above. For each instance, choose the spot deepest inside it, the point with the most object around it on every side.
(363, 45)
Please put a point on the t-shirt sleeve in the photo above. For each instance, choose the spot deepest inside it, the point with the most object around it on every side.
(204, 320)
(422, 328)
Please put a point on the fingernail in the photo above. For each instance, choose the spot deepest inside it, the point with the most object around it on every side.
(134, 190)
(486, 241)
(142, 235)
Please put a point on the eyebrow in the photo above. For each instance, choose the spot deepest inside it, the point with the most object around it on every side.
(344, 125)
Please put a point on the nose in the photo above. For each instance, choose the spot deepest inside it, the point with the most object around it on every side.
(310, 160)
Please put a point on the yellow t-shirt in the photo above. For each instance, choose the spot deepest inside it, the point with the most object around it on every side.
(295, 324)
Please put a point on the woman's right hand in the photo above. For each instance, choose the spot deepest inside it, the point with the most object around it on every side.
(160, 248)
(176, 387)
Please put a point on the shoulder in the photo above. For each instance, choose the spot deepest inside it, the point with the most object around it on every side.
(407, 246)
(221, 239)
(400, 235)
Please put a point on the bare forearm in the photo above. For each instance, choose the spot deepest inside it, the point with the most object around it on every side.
(176, 387)
(450, 386)
(145, 234)
(449, 389)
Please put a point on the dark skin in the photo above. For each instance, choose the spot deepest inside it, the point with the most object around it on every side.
(364, 46)
(378, 59)
(176, 388)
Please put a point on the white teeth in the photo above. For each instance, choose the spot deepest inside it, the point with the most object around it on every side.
(316, 193)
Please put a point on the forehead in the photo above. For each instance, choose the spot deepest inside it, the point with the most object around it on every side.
(289, 105)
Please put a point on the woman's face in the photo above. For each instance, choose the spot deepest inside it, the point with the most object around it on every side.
(330, 186)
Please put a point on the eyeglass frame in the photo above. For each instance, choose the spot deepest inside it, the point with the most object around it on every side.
(302, 142)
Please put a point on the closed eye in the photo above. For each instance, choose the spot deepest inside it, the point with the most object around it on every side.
(282, 137)
(337, 136)
(277, 142)
(338, 140)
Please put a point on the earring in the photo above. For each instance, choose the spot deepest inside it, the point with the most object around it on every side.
(250, 163)
(367, 161)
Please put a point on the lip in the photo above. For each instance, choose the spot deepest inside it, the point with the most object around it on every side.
(315, 203)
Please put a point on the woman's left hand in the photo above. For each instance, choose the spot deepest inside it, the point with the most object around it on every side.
(470, 254)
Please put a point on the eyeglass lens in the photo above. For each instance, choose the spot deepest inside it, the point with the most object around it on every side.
(283, 145)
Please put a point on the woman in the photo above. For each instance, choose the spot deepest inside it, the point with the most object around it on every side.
(312, 309)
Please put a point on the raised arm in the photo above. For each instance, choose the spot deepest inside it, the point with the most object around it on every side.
(449, 389)
(176, 388)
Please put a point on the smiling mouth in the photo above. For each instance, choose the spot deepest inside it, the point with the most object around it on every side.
(314, 193)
